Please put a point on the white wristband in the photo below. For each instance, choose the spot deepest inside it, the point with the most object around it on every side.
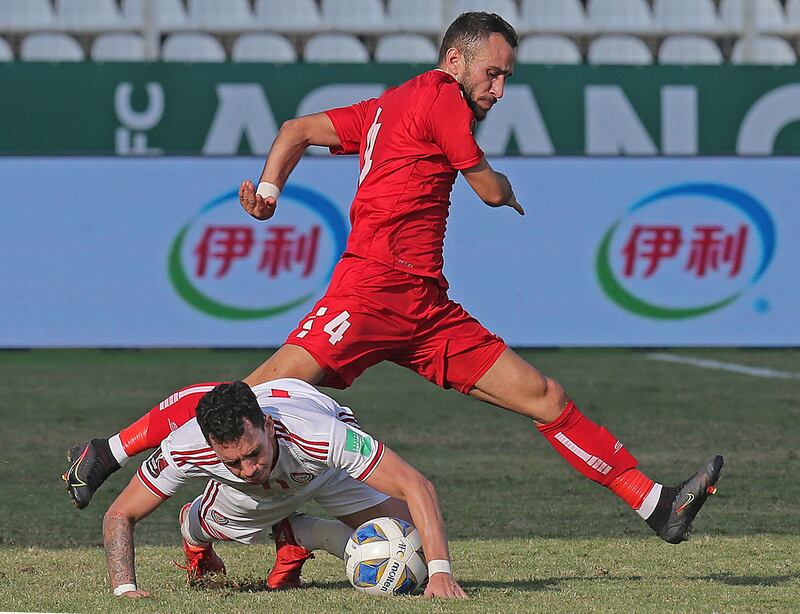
(265, 188)
(438, 566)
(124, 588)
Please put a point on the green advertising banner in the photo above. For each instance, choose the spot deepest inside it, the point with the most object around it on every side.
(229, 109)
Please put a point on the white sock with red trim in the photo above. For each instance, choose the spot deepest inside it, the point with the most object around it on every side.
(317, 534)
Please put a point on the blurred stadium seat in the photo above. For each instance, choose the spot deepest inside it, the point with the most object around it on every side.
(26, 15)
(620, 16)
(548, 49)
(170, 15)
(288, 16)
(423, 16)
(88, 15)
(192, 47)
(263, 47)
(553, 17)
(689, 49)
(354, 16)
(793, 17)
(507, 9)
(221, 15)
(335, 47)
(118, 47)
(686, 16)
(406, 48)
(619, 49)
(768, 14)
(6, 55)
(765, 50)
(50, 47)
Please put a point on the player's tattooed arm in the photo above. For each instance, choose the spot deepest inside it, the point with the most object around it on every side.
(118, 541)
(133, 504)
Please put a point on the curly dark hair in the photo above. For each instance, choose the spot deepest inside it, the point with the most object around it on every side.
(471, 29)
(222, 411)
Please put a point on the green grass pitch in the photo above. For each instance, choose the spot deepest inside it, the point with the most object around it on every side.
(528, 534)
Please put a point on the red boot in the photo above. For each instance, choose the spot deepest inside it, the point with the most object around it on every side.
(199, 561)
(289, 558)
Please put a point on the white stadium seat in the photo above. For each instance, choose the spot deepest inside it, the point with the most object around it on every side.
(361, 16)
(619, 49)
(686, 17)
(192, 47)
(221, 15)
(793, 16)
(411, 48)
(26, 15)
(88, 15)
(118, 47)
(507, 9)
(770, 50)
(553, 17)
(50, 47)
(6, 55)
(263, 47)
(335, 47)
(620, 16)
(768, 15)
(548, 49)
(169, 14)
(425, 16)
(288, 15)
(689, 49)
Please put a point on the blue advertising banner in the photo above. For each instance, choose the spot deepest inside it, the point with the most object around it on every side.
(138, 252)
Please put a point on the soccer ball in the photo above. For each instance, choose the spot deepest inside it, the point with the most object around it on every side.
(384, 557)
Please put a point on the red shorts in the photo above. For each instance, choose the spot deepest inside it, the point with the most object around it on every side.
(372, 313)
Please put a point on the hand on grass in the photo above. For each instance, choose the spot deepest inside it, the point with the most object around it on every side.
(443, 586)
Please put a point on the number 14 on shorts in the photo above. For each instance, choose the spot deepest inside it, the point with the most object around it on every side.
(336, 327)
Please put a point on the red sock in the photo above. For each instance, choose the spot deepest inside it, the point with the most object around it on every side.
(589, 448)
(152, 428)
(632, 487)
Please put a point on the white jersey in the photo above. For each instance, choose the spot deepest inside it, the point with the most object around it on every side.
(315, 436)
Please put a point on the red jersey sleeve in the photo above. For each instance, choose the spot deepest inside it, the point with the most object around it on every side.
(451, 122)
(349, 125)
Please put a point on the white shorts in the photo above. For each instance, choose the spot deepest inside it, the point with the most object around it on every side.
(227, 514)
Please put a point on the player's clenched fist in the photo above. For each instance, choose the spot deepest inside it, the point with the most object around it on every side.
(259, 207)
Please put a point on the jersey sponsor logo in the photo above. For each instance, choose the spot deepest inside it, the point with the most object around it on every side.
(357, 443)
(687, 250)
(156, 464)
(301, 477)
(223, 264)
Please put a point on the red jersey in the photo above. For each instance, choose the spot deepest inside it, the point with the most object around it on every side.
(411, 142)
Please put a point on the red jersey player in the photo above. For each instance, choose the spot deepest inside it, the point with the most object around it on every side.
(388, 300)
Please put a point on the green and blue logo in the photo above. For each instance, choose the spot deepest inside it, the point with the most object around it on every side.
(228, 265)
(685, 251)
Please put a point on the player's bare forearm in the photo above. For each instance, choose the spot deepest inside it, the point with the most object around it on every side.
(118, 543)
(493, 188)
(294, 137)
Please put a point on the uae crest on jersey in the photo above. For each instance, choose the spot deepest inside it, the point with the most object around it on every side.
(301, 477)
(218, 518)
(155, 464)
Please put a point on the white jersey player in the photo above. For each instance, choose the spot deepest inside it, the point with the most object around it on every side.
(266, 451)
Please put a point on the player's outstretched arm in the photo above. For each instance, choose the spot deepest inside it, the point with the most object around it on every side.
(492, 188)
(395, 477)
(133, 504)
(294, 137)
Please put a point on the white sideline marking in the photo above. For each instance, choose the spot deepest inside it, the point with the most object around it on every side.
(705, 363)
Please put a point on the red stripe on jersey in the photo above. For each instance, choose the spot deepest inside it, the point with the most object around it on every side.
(205, 450)
(150, 486)
(215, 461)
(208, 498)
(318, 454)
(279, 394)
(371, 467)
